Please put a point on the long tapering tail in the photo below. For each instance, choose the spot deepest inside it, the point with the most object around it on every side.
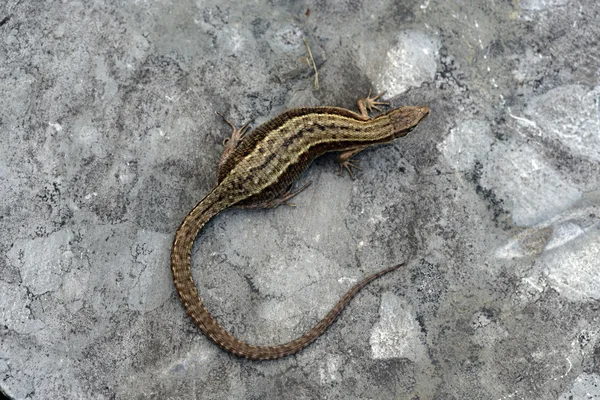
(184, 283)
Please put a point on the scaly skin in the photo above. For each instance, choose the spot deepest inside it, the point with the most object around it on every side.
(258, 170)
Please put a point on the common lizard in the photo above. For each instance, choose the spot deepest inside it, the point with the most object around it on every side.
(257, 171)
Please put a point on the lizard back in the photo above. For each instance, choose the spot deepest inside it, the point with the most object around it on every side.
(271, 158)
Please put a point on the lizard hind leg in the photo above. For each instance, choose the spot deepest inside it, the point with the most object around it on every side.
(289, 194)
(282, 199)
(229, 145)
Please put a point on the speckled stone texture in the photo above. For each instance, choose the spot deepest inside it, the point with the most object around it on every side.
(108, 137)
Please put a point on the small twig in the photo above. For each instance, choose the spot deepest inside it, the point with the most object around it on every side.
(312, 61)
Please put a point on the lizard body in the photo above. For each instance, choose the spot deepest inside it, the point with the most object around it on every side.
(258, 170)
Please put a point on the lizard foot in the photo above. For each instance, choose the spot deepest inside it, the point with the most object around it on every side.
(237, 134)
(345, 160)
(288, 195)
(373, 103)
(348, 164)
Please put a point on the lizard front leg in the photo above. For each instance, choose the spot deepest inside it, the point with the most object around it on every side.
(345, 160)
(367, 104)
(364, 105)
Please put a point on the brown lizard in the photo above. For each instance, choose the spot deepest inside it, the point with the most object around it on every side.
(257, 171)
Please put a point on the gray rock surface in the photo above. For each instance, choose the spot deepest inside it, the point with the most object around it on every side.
(108, 137)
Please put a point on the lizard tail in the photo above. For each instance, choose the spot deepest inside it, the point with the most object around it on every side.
(184, 283)
(273, 352)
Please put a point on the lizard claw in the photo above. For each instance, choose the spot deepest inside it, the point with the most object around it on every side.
(288, 195)
(372, 103)
(349, 164)
(237, 134)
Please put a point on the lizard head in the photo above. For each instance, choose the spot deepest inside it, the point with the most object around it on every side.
(405, 119)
